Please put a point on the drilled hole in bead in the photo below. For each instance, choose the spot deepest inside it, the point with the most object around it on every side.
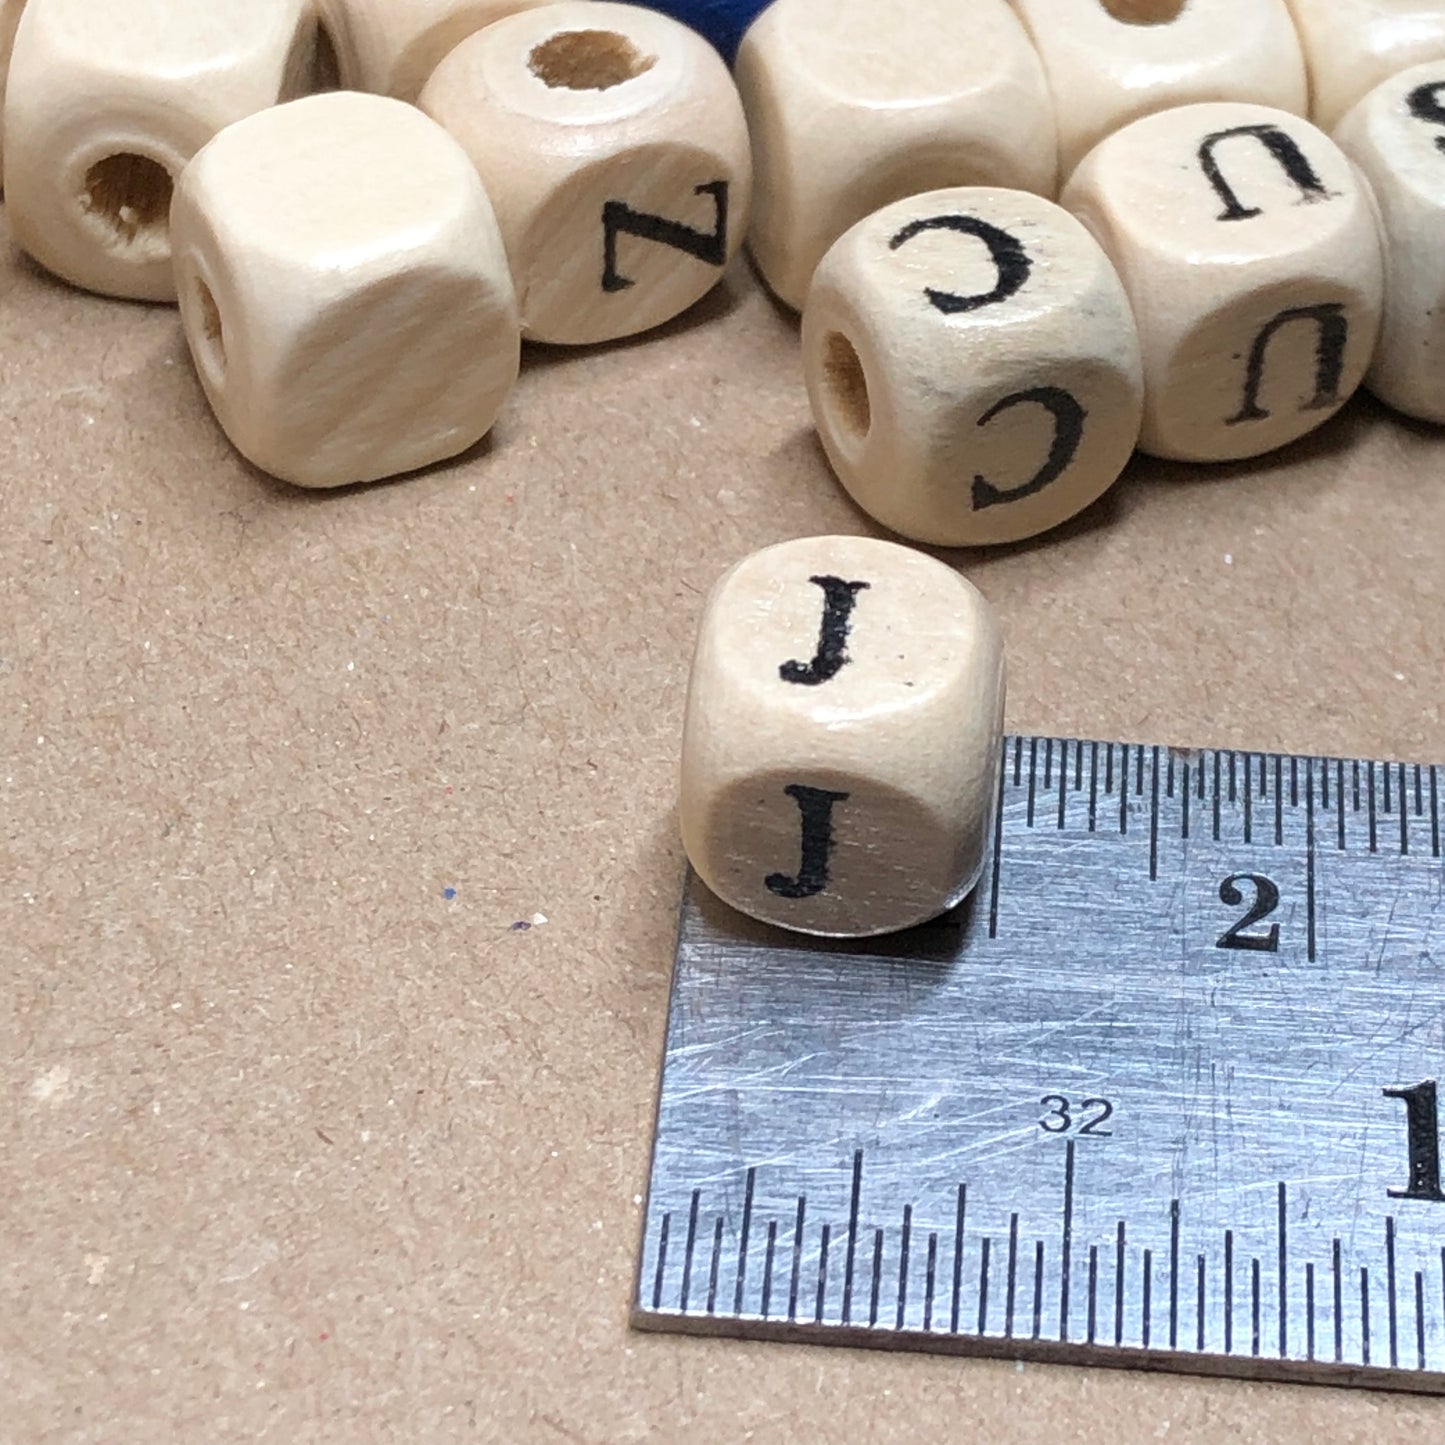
(213, 333)
(847, 385)
(1144, 12)
(588, 60)
(129, 198)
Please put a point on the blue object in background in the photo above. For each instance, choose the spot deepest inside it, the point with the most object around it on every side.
(722, 21)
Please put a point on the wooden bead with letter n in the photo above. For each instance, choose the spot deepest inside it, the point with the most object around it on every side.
(344, 289)
(612, 142)
(107, 100)
(972, 365)
(841, 749)
(1396, 135)
(1250, 251)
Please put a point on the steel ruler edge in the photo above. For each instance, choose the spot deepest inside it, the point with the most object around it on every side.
(1161, 1094)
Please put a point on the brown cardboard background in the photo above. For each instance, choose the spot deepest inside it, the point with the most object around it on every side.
(295, 1148)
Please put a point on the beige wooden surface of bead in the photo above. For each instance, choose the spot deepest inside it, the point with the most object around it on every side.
(1249, 248)
(106, 102)
(973, 366)
(1352, 45)
(344, 290)
(390, 47)
(1396, 135)
(854, 104)
(9, 19)
(613, 144)
(841, 745)
(1111, 61)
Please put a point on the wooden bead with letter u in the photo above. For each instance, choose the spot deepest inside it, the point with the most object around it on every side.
(1249, 247)
(840, 757)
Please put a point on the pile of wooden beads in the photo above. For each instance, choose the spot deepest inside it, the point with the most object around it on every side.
(1027, 237)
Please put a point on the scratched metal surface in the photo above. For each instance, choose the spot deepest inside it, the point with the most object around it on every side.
(1066, 1122)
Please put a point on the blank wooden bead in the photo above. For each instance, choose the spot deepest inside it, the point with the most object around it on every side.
(613, 144)
(973, 366)
(344, 290)
(1396, 135)
(1248, 246)
(106, 102)
(854, 104)
(1350, 46)
(390, 47)
(841, 747)
(1111, 61)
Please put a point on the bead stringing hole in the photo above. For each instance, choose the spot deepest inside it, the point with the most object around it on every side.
(211, 328)
(588, 60)
(847, 385)
(129, 196)
(1144, 12)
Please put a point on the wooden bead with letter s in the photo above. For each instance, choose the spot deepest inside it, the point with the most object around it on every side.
(344, 290)
(841, 748)
(973, 366)
(107, 100)
(613, 144)
(1396, 135)
(1249, 248)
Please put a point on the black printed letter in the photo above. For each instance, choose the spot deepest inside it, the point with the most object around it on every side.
(619, 218)
(1291, 161)
(1424, 103)
(1068, 434)
(1333, 333)
(1008, 254)
(838, 599)
(815, 805)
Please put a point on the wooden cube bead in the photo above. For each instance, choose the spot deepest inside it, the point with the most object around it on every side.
(344, 290)
(1350, 46)
(1248, 246)
(108, 99)
(390, 47)
(9, 19)
(613, 144)
(854, 104)
(1396, 136)
(841, 748)
(1111, 61)
(973, 366)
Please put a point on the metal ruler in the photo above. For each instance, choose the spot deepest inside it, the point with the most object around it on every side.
(1161, 1093)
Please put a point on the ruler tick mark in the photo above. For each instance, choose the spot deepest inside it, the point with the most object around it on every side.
(768, 1268)
(714, 1267)
(877, 1277)
(1228, 1291)
(1282, 1231)
(1199, 1268)
(1093, 785)
(748, 1190)
(1146, 1308)
(930, 1281)
(1063, 786)
(958, 1223)
(903, 1252)
(850, 1258)
(797, 1257)
(1309, 1311)
(1154, 821)
(1339, 1302)
(1093, 1291)
(820, 1303)
(1173, 1274)
(1066, 1249)
(1310, 859)
(983, 1287)
(997, 856)
(1038, 1288)
(1340, 800)
(661, 1261)
(1364, 1314)
(1184, 796)
(1033, 777)
(1119, 1286)
(1390, 1304)
(1279, 801)
(688, 1249)
(1370, 771)
(1012, 1276)
(1048, 763)
(1254, 1305)
(1434, 812)
(1419, 1320)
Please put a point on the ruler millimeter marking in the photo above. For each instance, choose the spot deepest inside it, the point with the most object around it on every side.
(1162, 1093)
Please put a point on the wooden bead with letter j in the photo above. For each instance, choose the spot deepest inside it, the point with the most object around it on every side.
(1250, 251)
(841, 749)
(613, 145)
(973, 366)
